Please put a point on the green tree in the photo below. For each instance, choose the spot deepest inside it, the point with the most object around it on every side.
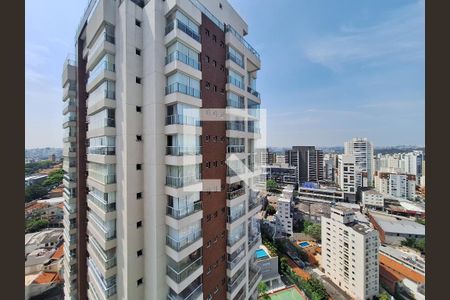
(31, 168)
(54, 178)
(34, 191)
(420, 244)
(262, 290)
(384, 296)
(420, 221)
(314, 231)
(283, 264)
(409, 242)
(35, 225)
(271, 184)
(270, 210)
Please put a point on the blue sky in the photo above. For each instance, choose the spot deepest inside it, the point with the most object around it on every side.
(331, 70)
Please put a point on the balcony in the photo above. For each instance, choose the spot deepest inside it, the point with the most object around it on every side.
(236, 280)
(101, 203)
(241, 295)
(232, 240)
(109, 288)
(254, 274)
(181, 243)
(183, 27)
(235, 126)
(182, 120)
(236, 215)
(70, 106)
(108, 233)
(235, 59)
(236, 193)
(183, 89)
(252, 205)
(181, 213)
(178, 182)
(252, 241)
(235, 148)
(253, 92)
(108, 257)
(236, 103)
(192, 292)
(177, 55)
(235, 82)
(102, 150)
(182, 271)
(237, 258)
(231, 30)
(183, 150)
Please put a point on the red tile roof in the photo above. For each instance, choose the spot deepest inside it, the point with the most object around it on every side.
(46, 277)
(58, 253)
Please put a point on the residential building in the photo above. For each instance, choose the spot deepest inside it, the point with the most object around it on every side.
(47, 239)
(347, 176)
(329, 166)
(413, 164)
(362, 150)
(281, 174)
(35, 179)
(372, 199)
(395, 229)
(157, 197)
(322, 193)
(308, 161)
(311, 211)
(283, 218)
(269, 269)
(396, 185)
(350, 254)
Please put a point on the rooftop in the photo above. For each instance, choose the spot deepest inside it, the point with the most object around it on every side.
(407, 258)
(362, 228)
(59, 253)
(395, 224)
(39, 237)
(46, 277)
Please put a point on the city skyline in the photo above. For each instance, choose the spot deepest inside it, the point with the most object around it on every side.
(378, 47)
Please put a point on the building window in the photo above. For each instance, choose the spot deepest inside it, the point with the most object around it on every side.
(214, 38)
(139, 196)
(137, 22)
(207, 32)
(220, 5)
(139, 224)
(140, 252)
(140, 281)
(138, 108)
(138, 51)
(138, 167)
(138, 80)
(138, 138)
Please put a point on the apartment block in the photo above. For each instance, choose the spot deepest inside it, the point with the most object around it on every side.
(283, 218)
(350, 254)
(161, 202)
(308, 161)
(347, 175)
(362, 150)
(372, 198)
(396, 185)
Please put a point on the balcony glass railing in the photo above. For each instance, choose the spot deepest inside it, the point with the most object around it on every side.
(235, 148)
(252, 241)
(180, 243)
(236, 103)
(183, 27)
(235, 238)
(71, 103)
(108, 232)
(235, 126)
(253, 275)
(230, 29)
(109, 288)
(180, 56)
(101, 123)
(180, 275)
(236, 215)
(178, 182)
(102, 66)
(236, 59)
(183, 150)
(108, 258)
(192, 292)
(182, 88)
(182, 120)
(252, 91)
(180, 213)
(236, 280)
(236, 260)
(252, 205)
(105, 206)
(236, 82)
(236, 193)
(102, 178)
(102, 150)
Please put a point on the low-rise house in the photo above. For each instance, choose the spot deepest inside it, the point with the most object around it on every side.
(46, 239)
(269, 269)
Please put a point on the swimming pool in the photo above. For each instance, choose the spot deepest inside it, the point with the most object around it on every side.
(304, 244)
(260, 253)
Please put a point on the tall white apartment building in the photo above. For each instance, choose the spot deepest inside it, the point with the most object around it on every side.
(347, 173)
(413, 164)
(396, 185)
(350, 254)
(283, 218)
(362, 149)
(139, 220)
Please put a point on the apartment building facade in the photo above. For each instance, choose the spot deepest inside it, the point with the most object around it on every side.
(308, 161)
(160, 201)
(396, 185)
(350, 254)
(347, 173)
(284, 218)
(362, 150)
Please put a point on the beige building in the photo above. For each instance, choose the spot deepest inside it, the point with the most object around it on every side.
(141, 224)
(350, 254)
